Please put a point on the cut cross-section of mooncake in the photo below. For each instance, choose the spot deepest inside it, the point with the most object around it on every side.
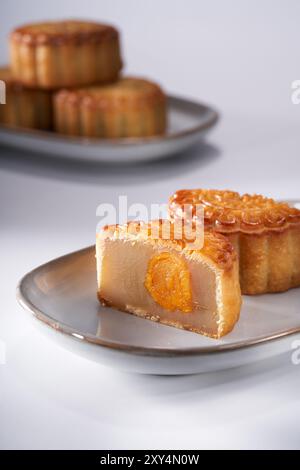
(167, 281)
(264, 232)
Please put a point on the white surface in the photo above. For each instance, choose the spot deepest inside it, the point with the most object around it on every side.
(240, 56)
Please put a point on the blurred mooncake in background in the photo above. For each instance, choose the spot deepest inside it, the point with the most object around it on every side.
(24, 107)
(60, 54)
(129, 107)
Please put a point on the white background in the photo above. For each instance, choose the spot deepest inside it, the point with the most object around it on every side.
(240, 56)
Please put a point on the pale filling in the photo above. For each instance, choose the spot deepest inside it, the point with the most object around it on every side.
(130, 278)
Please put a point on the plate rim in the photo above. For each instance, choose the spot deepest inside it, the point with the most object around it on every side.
(132, 349)
(55, 137)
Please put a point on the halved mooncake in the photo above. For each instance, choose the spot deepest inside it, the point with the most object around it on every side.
(130, 107)
(24, 107)
(164, 280)
(265, 233)
(65, 54)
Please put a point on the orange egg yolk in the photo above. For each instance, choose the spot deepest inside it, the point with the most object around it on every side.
(168, 280)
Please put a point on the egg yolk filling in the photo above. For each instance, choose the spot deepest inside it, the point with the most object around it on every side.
(168, 281)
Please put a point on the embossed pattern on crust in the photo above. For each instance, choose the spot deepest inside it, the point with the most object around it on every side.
(216, 247)
(265, 233)
(228, 211)
(130, 107)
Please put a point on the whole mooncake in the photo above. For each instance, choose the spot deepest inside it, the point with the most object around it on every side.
(265, 233)
(60, 54)
(130, 107)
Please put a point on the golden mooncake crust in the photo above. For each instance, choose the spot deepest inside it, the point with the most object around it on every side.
(265, 233)
(24, 107)
(60, 54)
(217, 253)
(217, 248)
(130, 107)
(71, 31)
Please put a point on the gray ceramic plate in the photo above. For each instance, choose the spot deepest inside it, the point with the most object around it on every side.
(62, 295)
(189, 122)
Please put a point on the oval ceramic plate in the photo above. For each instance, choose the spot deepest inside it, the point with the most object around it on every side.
(62, 295)
(189, 122)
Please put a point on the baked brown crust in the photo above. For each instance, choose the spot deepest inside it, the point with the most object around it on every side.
(231, 212)
(265, 233)
(6, 76)
(130, 107)
(216, 248)
(71, 31)
(24, 107)
(70, 53)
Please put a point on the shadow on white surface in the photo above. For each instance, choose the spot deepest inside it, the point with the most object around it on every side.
(100, 173)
